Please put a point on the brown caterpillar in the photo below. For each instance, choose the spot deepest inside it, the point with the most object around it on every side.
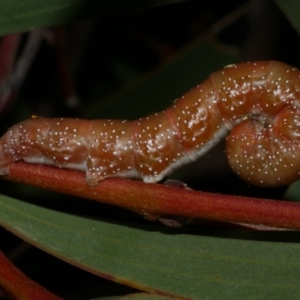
(258, 102)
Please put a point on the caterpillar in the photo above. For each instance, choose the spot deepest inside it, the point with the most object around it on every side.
(255, 104)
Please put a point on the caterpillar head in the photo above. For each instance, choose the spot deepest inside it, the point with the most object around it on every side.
(265, 151)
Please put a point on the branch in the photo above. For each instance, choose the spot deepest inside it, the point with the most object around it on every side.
(155, 200)
(17, 285)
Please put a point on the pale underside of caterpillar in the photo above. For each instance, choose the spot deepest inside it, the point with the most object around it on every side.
(258, 102)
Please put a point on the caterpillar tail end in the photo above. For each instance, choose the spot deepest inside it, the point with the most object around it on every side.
(5, 162)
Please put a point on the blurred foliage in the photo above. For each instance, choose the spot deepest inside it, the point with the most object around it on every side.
(291, 9)
(16, 16)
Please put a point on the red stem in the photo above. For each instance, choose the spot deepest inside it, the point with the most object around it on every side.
(8, 50)
(18, 286)
(154, 200)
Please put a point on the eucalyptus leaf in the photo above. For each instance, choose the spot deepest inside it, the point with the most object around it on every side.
(25, 15)
(189, 262)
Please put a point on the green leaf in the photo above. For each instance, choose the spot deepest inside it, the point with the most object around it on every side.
(18, 16)
(144, 296)
(293, 192)
(188, 262)
(291, 8)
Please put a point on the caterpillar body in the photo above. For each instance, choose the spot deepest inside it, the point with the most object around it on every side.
(257, 102)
